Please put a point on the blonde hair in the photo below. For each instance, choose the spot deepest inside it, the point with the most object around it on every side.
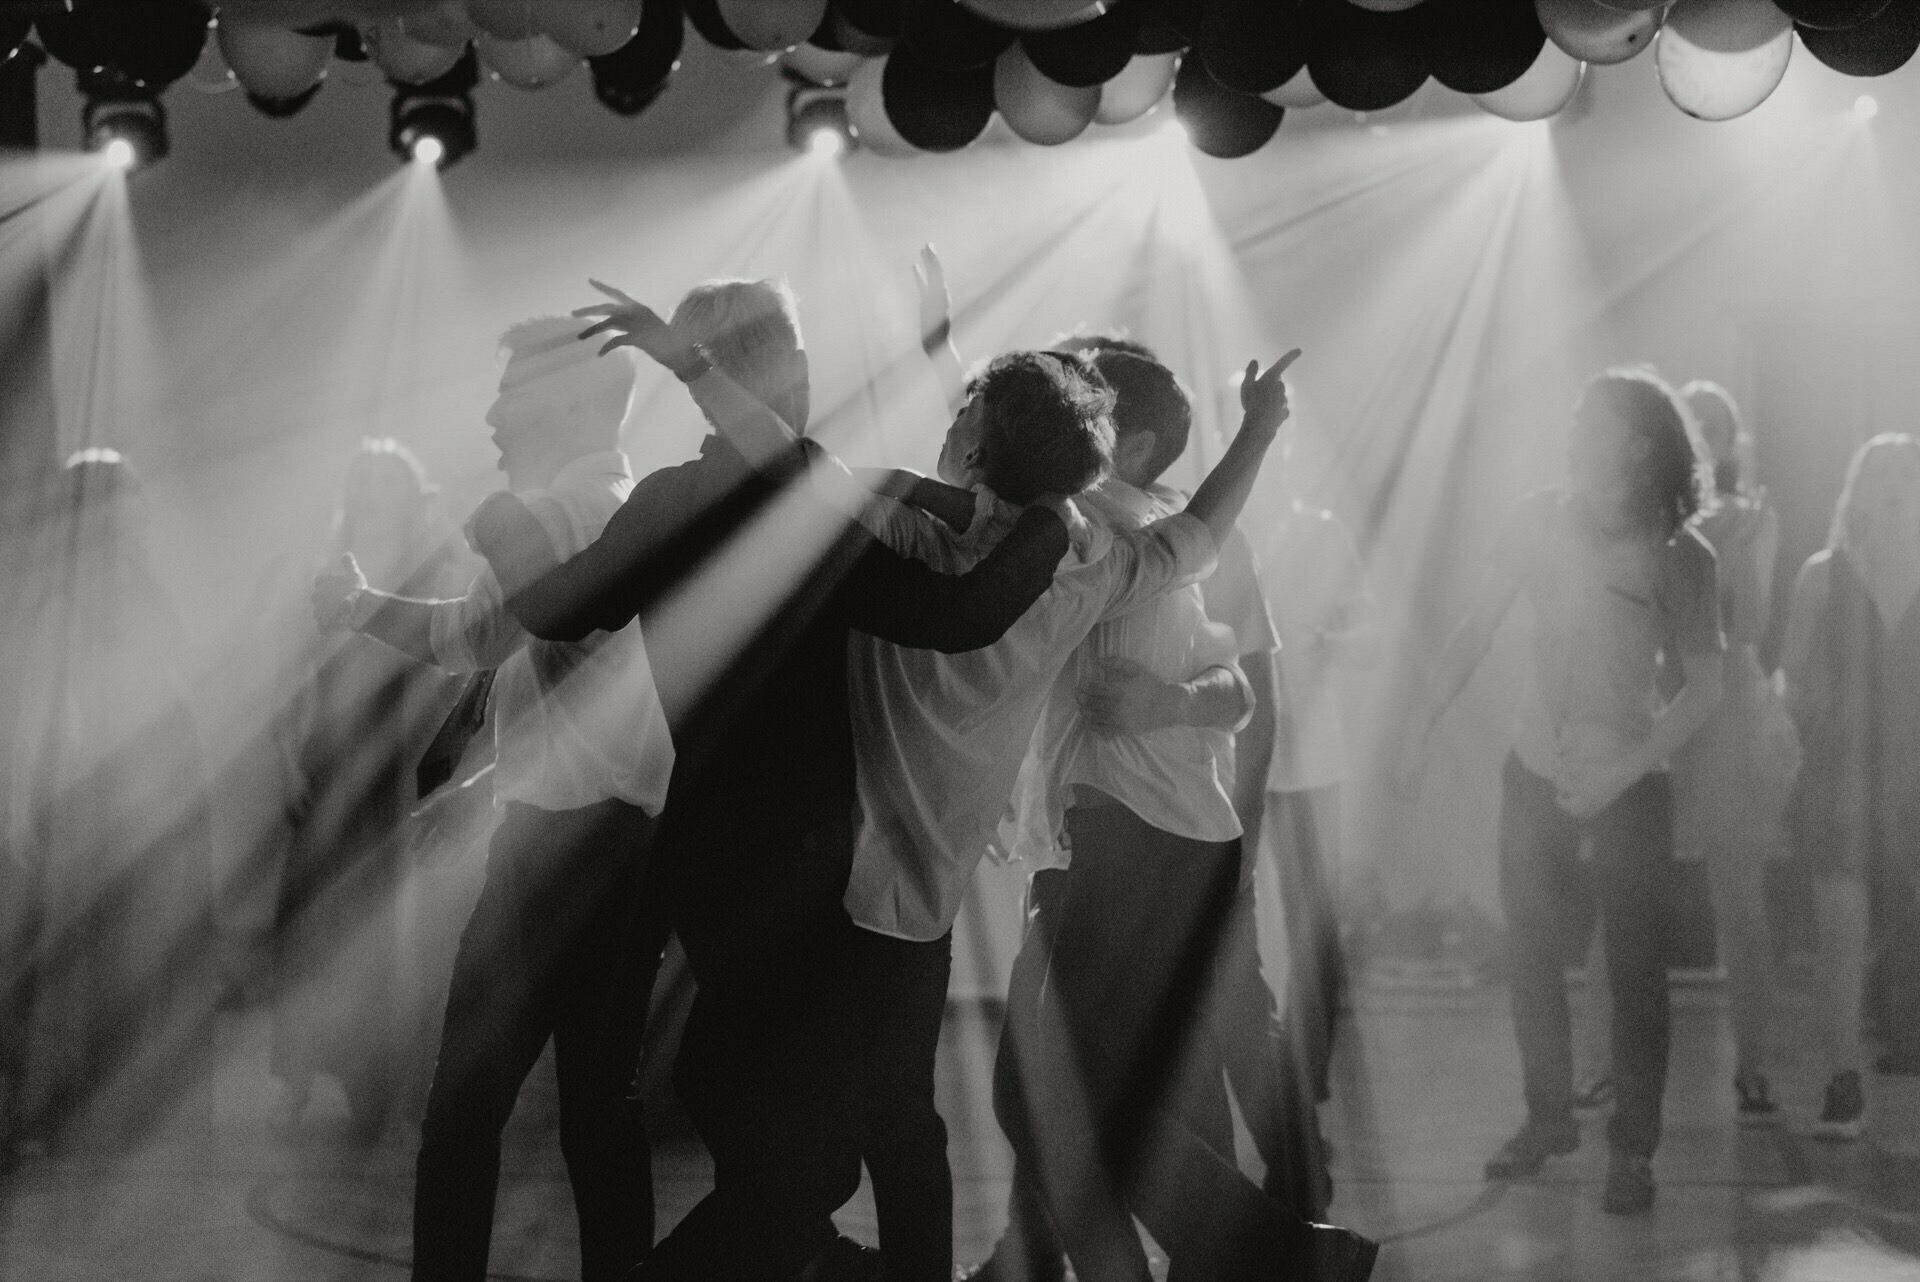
(750, 326)
(1843, 534)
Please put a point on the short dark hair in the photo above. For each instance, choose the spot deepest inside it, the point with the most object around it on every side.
(1046, 427)
(1093, 344)
(1147, 398)
(1673, 479)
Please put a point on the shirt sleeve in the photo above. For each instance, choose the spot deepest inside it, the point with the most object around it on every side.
(1234, 598)
(475, 631)
(1691, 597)
(1170, 553)
(908, 603)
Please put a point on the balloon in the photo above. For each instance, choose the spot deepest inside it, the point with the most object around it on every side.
(1478, 46)
(1252, 46)
(1036, 108)
(1138, 89)
(505, 19)
(272, 62)
(210, 73)
(874, 17)
(867, 112)
(1636, 6)
(1037, 15)
(1546, 88)
(1728, 26)
(819, 66)
(1877, 46)
(444, 23)
(946, 35)
(533, 63)
(591, 28)
(1831, 15)
(407, 60)
(637, 68)
(282, 108)
(1221, 122)
(1366, 61)
(1598, 33)
(706, 19)
(1386, 6)
(153, 45)
(1297, 92)
(936, 109)
(1714, 84)
(1090, 54)
(856, 40)
(769, 25)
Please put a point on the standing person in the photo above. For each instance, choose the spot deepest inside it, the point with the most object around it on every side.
(350, 739)
(748, 584)
(583, 760)
(109, 999)
(1615, 579)
(1852, 662)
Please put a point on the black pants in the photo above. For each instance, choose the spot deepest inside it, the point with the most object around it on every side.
(1306, 830)
(1542, 889)
(548, 952)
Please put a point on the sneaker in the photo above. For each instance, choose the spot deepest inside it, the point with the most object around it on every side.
(1629, 1184)
(1596, 1096)
(1844, 1112)
(1531, 1146)
(1756, 1105)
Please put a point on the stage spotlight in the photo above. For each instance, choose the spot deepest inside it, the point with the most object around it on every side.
(432, 123)
(129, 133)
(1866, 107)
(817, 121)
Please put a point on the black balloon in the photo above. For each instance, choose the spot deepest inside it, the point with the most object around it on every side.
(1877, 46)
(1220, 121)
(153, 42)
(933, 108)
(875, 17)
(627, 80)
(1090, 53)
(1831, 15)
(944, 34)
(706, 19)
(1478, 46)
(824, 36)
(1168, 26)
(1366, 61)
(1252, 46)
(13, 33)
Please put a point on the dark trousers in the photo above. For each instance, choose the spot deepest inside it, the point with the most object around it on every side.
(1306, 835)
(548, 952)
(1542, 889)
(1116, 1069)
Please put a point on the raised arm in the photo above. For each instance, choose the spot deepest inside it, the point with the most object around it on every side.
(936, 328)
(1263, 401)
(462, 634)
(555, 600)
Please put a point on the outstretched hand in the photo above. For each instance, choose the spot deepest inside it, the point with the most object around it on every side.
(936, 304)
(634, 324)
(1263, 397)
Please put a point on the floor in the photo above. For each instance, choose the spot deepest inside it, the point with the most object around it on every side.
(1427, 1087)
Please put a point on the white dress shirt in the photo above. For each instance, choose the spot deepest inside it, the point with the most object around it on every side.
(939, 738)
(575, 723)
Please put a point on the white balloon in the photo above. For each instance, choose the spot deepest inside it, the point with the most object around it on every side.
(1138, 89)
(1040, 110)
(1729, 26)
(1547, 87)
(273, 62)
(533, 63)
(867, 112)
(1598, 33)
(769, 25)
(406, 59)
(1297, 92)
(505, 19)
(1037, 15)
(445, 23)
(1709, 84)
(590, 28)
(821, 66)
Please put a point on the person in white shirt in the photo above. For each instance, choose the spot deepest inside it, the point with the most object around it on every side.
(583, 761)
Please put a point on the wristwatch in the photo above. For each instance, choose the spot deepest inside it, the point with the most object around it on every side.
(700, 362)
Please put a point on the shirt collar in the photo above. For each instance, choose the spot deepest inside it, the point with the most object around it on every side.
(600, 463)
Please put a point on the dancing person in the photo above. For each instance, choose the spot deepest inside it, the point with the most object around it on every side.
(111, 981)
(581, 772)
(748, 583)
(1852, 661)
(349, 740)
(1616, 580)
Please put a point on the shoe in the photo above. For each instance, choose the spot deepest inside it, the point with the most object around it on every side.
(1596, 1096)
(844, 1260)
(1531, 1146)
(1333, 1254)
(1756, 1105)
(1004, 1264)
(1629, 1184)
(1843, 1115)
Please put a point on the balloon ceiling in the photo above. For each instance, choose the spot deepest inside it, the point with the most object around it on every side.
(930, 75)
